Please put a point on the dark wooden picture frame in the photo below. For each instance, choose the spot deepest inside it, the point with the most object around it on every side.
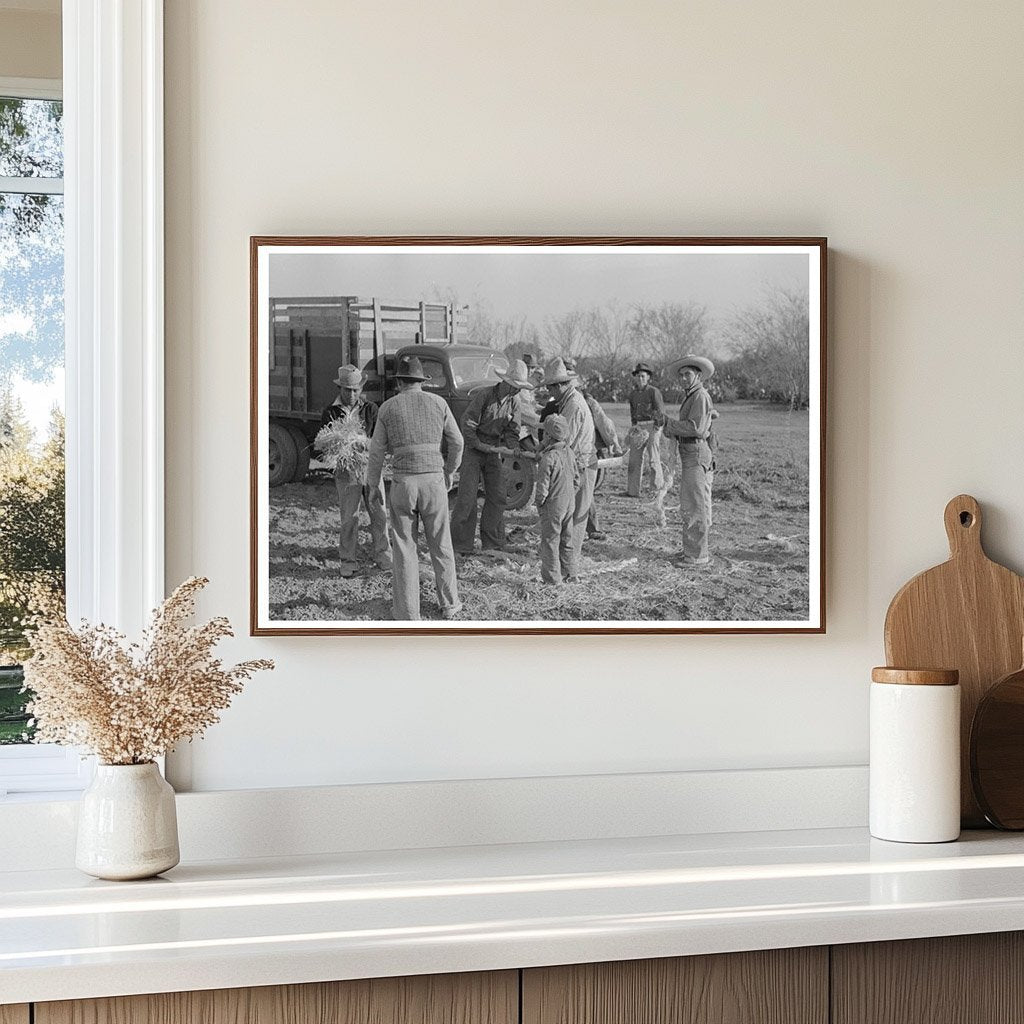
(811, 404)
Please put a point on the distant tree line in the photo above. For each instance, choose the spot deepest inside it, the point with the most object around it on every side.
(761, 352)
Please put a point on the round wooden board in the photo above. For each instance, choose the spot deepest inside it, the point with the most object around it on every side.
(997, 753)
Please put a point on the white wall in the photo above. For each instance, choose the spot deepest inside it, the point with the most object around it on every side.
(894, 129)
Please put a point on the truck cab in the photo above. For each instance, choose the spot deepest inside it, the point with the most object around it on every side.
(455, 371)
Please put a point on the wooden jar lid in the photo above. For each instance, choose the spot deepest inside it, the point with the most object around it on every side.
(916, 676)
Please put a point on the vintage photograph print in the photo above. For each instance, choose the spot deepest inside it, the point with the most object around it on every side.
(537, 435)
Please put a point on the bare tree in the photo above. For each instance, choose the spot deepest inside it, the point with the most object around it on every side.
(516, 337)
(672, 329)
(611, 343)
(774, 339)
(567, 335)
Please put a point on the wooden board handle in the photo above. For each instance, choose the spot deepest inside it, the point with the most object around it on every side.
(963, 526)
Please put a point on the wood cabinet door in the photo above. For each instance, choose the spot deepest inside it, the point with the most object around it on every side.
(960, 979)
(776, 986)
(14, 1014)
(481, 998)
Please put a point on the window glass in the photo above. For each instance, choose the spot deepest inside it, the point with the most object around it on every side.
(435, 371)
(485, 366)
(31, 387)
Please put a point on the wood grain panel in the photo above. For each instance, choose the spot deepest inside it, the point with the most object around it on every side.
(482, 998)
(778, 986)
(962, 979)
(14, 1014)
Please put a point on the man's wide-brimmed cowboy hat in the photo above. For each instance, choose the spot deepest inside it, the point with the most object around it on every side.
(518, 376)
(699, 363)
(642, 368)
(349, 376)
(410, 368)
(556, 373)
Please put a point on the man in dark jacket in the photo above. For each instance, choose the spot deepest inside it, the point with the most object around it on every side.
(646, 406)
(492, 421)
(351, 407)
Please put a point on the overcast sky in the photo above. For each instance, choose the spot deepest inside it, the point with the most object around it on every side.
(541, 285)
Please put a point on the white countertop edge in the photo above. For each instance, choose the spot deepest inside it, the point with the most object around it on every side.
(232, 924)
(498, 952)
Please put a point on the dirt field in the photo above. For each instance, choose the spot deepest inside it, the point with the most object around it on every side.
(759, 546)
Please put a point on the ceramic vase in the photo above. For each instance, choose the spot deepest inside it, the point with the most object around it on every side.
(127, 825)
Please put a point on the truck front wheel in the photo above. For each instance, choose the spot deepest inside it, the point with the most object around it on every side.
(521, 476)
(283, 454)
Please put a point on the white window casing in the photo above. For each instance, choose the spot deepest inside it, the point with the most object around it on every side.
(113, 169)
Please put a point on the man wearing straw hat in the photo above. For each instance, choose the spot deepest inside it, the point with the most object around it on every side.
(492, 421)
(561, 385)
(645, 407)
(696, 463)
(411, 427)
(351, 407)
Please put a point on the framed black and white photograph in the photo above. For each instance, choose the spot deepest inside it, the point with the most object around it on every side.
(537, 435)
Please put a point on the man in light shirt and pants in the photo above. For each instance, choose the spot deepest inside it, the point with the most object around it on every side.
(580, 438)
(696, 461)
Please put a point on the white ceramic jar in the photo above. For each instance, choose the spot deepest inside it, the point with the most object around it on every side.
(915, 755)
(127, 823)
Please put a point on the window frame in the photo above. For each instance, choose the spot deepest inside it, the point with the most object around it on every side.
(112, 90)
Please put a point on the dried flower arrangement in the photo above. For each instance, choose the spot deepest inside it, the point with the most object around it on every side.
(343, 444)
(130, 703)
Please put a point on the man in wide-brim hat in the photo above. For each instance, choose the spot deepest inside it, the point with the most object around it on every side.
(411, 427)
(606, 438)
(581, 440)
(645, 407)
(493, 420)
(351, 408)
(703, 366)
(696, 461)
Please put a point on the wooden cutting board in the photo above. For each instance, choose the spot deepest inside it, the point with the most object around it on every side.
(967, 614)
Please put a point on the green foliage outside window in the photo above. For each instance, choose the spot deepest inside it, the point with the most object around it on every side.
(31, 546)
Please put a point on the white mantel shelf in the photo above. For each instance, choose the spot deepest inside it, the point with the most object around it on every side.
(225, 924)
